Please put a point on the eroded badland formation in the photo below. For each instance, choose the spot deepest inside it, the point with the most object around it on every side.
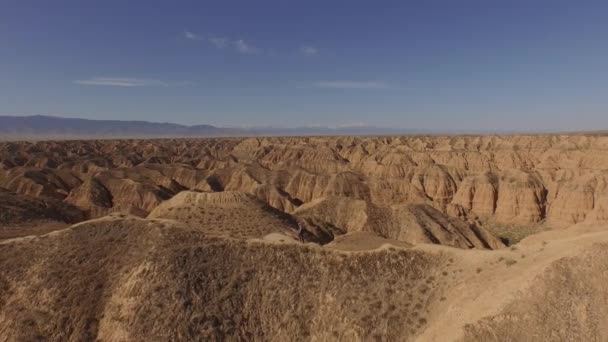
(491, 238)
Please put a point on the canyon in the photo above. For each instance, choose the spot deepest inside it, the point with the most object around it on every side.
(414, 238)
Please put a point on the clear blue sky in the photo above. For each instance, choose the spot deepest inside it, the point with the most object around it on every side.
(485, 64)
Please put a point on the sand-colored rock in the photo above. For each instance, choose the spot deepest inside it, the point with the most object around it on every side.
(316, 238)
(236, 215)
(91, 197)
(478, 194)
(39, 182)
(20, 209)
(580, 197)
(503, 179)
(521, 198)
(412, 224)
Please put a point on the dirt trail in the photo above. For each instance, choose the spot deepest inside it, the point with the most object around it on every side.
(486, 282)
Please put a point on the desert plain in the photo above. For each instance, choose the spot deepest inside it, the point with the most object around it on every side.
(411, 238)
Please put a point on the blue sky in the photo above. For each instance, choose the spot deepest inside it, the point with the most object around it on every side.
(486, 64)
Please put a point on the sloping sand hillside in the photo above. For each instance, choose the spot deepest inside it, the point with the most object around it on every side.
(127, 278)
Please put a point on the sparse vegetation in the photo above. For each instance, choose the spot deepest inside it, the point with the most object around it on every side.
(513, 233)
(208, 246)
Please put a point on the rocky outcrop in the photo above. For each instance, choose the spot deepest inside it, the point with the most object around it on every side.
(236, 215)
(477, 180)
(412, 223)
(478, 194)
(513, 196)
(92, 198)
(521, 198)
(581, 199)
(16, 209)
(233, 239)
(437, 184)
(38, 182)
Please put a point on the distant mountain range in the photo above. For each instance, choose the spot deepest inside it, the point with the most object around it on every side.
(51, 127)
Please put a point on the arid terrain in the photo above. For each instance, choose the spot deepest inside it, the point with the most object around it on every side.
(416, 238)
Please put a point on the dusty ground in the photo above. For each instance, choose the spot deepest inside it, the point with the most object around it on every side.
(322, 239)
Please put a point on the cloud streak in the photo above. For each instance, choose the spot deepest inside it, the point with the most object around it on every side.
(245, 48)
(219, 42)
(191, 36)
(242, 46)
(127, 82)
(308, 50)
(351, 85)
(238, 45)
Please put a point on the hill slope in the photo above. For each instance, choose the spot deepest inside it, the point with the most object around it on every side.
(127, 278)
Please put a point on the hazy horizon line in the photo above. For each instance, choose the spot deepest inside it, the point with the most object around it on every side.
(336, 127)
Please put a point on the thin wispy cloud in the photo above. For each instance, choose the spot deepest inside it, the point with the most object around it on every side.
(238, 45)
(351, 84)
(127, 82)
(309, 50)
(243, 47)
(191, 36)
(219, 42)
